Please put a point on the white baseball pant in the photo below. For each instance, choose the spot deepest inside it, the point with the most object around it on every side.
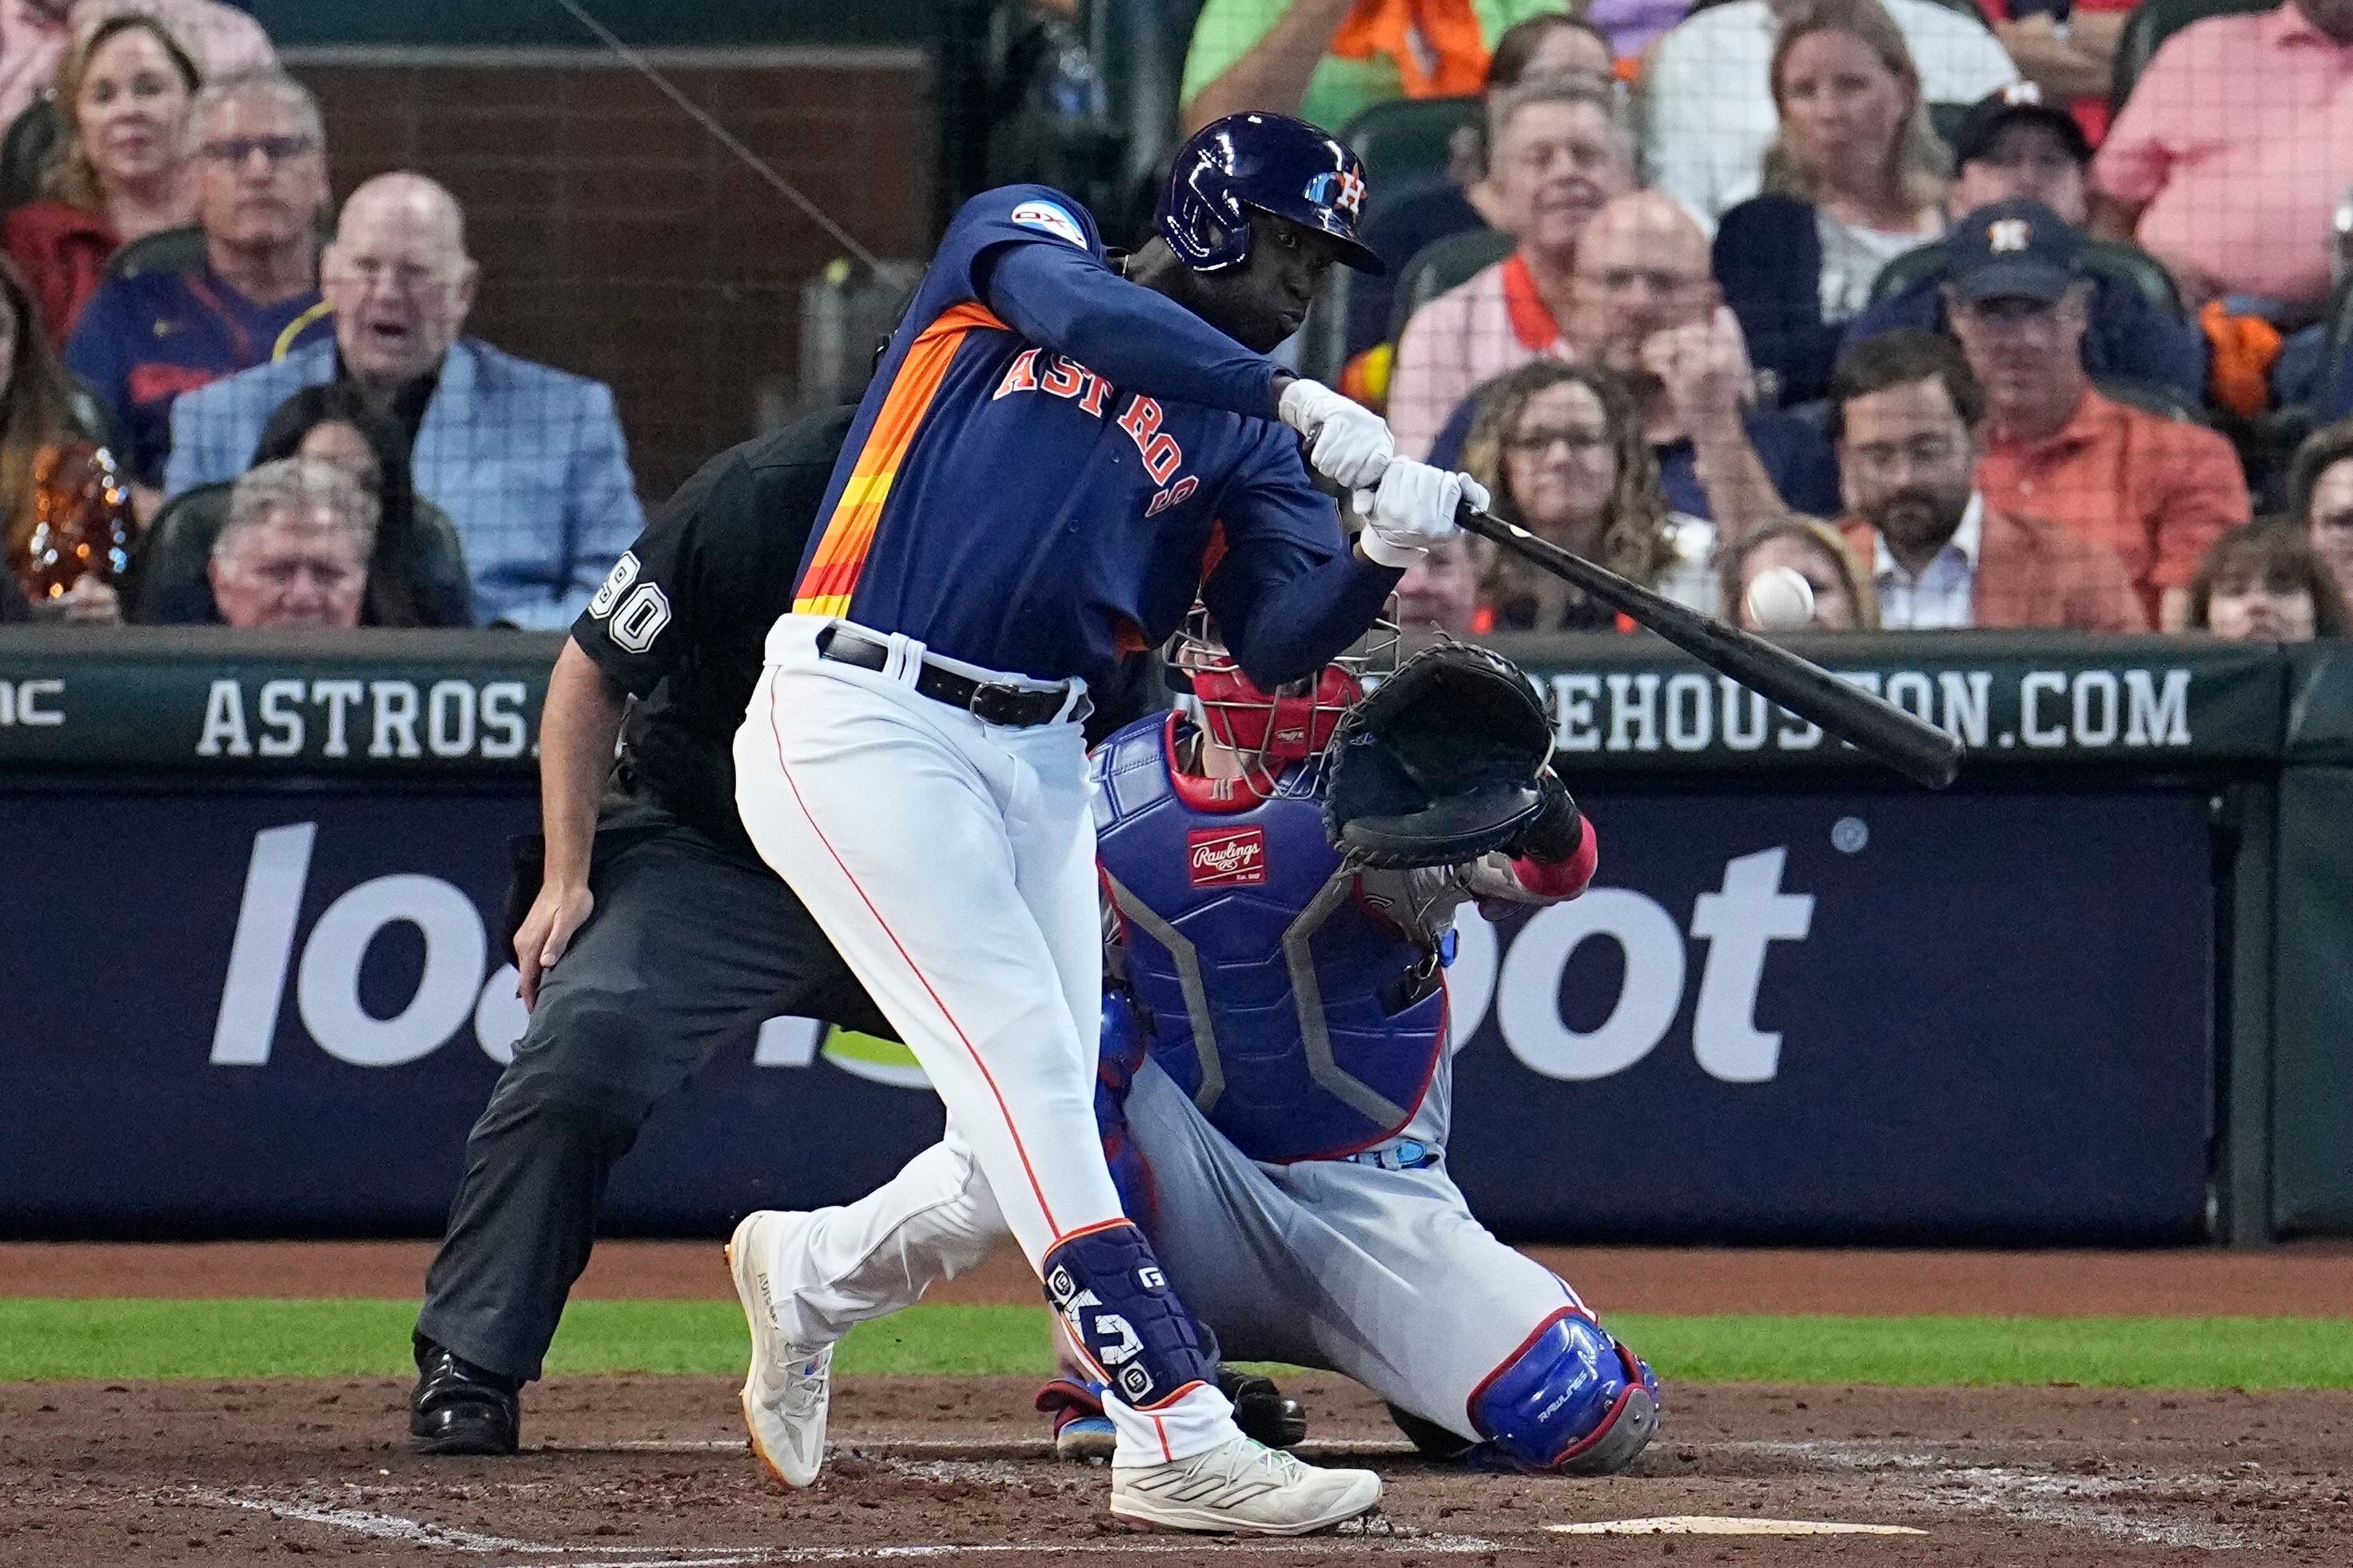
(952, 862)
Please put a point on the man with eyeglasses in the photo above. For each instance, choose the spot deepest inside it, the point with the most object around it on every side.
(259, 156)
(2013, 145)
(1641, 302)
(1909, 418)
(2156, 490)
(528, 461)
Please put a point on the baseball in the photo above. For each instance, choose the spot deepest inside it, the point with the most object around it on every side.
(1779, 598)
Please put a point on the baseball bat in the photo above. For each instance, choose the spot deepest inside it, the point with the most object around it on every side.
(1918, 750)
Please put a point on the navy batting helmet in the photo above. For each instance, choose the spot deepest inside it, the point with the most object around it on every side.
(1269, 162)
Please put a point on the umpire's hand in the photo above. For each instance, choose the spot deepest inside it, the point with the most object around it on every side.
(557, 916)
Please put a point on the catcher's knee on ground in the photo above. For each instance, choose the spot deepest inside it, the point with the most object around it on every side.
(1572, 1399)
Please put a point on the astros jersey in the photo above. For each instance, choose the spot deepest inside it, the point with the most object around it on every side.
(1017, 509)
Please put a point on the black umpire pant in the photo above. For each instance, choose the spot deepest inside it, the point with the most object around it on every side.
(690, 946)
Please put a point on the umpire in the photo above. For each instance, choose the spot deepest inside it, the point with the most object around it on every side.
(673, 938)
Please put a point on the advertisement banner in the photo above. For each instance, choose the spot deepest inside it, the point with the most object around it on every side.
(1801, 1015)
(211, 703)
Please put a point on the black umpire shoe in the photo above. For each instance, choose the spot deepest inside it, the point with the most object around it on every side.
(1265, 1414)
(461, 1408)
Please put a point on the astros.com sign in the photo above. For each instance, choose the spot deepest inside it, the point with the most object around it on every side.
(459, 992)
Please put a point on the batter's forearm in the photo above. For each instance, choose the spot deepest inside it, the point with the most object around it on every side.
(579, 725)
(1292, 628)
(1139, 340)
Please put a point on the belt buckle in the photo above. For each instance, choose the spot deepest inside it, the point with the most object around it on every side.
(994, 704)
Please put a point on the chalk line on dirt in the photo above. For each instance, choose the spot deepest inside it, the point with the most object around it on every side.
(377, 1525)
(2036, 1497)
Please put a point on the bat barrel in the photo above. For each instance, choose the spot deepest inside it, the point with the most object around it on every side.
(1918, 750)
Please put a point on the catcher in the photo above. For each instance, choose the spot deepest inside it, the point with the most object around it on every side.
(1273, 1086)
(1274, 1083)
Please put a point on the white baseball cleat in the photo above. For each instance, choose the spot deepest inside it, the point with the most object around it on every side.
(1241, 1487)
(786, 1391)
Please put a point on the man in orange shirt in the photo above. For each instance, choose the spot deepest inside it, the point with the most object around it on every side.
(1909, 418)
(2156, 491)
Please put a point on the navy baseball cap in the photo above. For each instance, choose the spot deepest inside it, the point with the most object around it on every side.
(2017, 249)
(1999, 110)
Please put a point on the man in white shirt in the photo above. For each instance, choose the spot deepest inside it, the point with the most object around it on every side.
(1707, 100)
(1936, 595)
(1909, 416)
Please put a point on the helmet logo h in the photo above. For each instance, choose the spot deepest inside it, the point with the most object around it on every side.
(1345, 190)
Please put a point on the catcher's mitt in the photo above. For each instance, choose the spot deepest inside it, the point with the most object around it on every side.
(1440, 764)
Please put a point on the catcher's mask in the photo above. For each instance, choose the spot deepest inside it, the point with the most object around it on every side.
(1289, 724)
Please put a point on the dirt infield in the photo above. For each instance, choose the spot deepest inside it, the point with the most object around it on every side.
(647, 1473)
(2305, 1280)
(640, 1472)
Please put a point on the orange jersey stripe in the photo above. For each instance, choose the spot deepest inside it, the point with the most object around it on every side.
(825, 588)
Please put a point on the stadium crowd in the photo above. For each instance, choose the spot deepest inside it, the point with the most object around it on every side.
(2011, 313)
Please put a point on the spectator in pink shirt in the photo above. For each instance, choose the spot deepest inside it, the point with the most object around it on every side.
(2229, 159)
(33, 35)
(1561, 150)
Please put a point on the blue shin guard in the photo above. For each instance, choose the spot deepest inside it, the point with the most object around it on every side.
(1571, 1399)
(1120, 1311)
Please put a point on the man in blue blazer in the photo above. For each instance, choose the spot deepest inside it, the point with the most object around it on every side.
(528, 462)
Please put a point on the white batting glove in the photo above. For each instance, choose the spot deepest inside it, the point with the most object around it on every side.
(1413, 509)
(1348, 443)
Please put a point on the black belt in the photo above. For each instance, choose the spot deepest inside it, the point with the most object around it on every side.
(991, 702)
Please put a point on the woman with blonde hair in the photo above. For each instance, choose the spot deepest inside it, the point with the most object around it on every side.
(1854, 178)
(121, 169)
(1844, 597)
(1562, 451)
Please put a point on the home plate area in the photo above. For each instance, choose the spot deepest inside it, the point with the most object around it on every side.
(650, 1472)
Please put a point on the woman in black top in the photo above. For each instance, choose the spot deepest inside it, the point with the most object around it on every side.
(417, 575)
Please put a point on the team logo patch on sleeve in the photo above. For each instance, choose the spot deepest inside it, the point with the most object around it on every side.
(1050, 217)
(1231, 857)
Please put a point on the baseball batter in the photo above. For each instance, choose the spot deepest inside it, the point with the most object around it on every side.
(1005, 522)
(1276, 1083)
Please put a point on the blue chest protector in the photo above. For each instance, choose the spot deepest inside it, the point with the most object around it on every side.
(1303, 1026)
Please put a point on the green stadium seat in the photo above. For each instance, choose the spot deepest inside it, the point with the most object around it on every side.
(1407, 141)
(2110, 260)
(168, 250)
(25, 152)
(1944, 120)
(2157, 20)
(1433, 271)
(2151, 397)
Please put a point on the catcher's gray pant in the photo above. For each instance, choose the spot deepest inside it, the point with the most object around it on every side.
(691, 947)
(1380, 1274)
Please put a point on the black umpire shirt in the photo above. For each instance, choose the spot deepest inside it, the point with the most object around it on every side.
(682, 622)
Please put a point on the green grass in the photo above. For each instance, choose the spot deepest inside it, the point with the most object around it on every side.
(119, 1341)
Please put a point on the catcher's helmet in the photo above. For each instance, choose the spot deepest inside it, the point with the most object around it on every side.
(1269, 162)
(1289, 724)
